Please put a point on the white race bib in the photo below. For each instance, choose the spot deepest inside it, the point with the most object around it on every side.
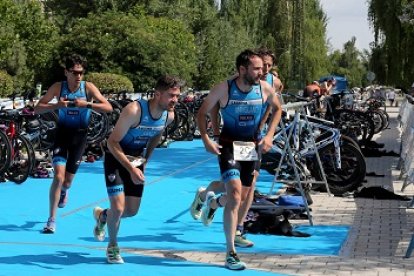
(136, 161)
(245, 151)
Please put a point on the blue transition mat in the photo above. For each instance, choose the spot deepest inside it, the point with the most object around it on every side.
(163, 222)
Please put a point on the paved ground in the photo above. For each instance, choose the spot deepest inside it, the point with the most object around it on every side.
(379, 235)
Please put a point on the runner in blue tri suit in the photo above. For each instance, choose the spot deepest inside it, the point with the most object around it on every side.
(73, 104)
(241, 101)
(137, 132)
(217, 186)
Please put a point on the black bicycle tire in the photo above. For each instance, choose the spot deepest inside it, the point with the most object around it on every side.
(92, 137)
(23, 175)
(5, 152)
(339, 187)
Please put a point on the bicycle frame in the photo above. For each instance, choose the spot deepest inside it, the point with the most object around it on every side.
(295, 130)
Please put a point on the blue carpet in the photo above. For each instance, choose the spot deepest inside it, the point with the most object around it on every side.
(172, 176)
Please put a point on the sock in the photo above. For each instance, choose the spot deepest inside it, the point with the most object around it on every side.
(218, 201)
(102, 216)
(240, 228)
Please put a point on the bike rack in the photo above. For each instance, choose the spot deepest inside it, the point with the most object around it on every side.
(299, 108)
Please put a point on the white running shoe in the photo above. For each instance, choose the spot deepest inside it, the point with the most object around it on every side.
(207, 213)
(99, 229)
(197, 204)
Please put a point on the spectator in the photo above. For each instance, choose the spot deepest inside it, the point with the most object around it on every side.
(391, 96)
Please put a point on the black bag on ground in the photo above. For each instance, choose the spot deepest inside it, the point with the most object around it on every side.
(266, 217)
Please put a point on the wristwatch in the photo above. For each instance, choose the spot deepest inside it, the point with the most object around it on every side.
(89, 105)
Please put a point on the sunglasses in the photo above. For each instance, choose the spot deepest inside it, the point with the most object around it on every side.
(75, 73)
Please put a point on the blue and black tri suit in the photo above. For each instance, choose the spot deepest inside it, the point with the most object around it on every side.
(117, 178)
(241, 119)
(72, 129)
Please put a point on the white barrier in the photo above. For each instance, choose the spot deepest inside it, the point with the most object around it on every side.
(8, 104)
(406, 116)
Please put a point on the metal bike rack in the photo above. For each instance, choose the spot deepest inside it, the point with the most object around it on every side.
(299, 108)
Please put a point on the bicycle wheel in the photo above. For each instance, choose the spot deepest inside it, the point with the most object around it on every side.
(114, 115)
(98, 127)
(181, 126)
(23, 160)
(355, 124)
(48, 128)
(5, 153)
(351, 174)
(378, 118)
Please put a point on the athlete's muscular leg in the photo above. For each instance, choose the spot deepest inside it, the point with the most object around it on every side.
(59, 180)
(114, 215)
(231, 210)
(247, 199)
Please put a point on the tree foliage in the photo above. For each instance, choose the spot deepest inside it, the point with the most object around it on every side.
(110, 83)
(27, 41)
(392, 56)
(197, 40)
(6, 84)
(141, 48)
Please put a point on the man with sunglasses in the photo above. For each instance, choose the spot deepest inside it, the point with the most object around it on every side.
(75, 100)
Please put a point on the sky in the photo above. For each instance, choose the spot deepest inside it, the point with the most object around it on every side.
(347, 18)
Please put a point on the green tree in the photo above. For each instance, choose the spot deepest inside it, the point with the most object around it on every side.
(393, 42)
(6, 84)
(28, 41)
(110, 83)
(140, 48)
(315, 51)
(350, 63)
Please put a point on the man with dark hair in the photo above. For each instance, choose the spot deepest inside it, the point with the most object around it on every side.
(241, 102)
(136, 134)
(217, 186)
(74, 104)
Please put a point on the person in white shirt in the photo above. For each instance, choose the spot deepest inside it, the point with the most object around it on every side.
(391, 96)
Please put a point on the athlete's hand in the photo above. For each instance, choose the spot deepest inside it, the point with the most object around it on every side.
(80, 103)
(213, 147)
(62, 103)
(266, 143)
(137, 176)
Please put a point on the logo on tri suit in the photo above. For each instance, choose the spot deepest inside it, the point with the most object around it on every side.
(230, 174)
(232, 162)
(111, 177)
(56, 151)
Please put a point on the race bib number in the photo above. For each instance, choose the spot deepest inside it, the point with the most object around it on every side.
(245, 151)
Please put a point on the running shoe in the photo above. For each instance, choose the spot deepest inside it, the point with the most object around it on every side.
(241, 241)
(207, 213)
(197, 204)
(99, 229)
(113, 256)
(233, 262)
(50, 227)
(63, 199)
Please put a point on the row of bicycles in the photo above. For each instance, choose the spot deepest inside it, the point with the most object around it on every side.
(339, 130)
(26, 138)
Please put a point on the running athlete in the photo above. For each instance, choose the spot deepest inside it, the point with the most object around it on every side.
(217, 186)
(137, 132)
(241, 101)
(74, 104)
